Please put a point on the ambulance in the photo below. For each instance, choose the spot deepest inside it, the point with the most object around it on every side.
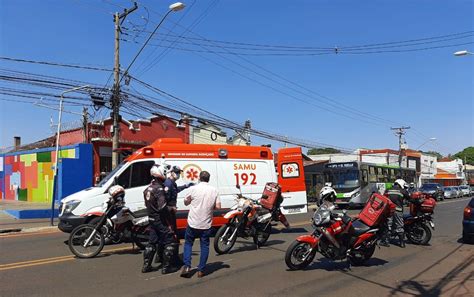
(251, 167)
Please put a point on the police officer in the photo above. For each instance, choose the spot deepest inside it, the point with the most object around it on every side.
(397, 194)
(172, 191)
(161, 231)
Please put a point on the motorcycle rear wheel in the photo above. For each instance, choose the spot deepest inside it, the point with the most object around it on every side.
(295, 254)
(140, 239)
(221, 243)
(262, 236)
(362, 256)
(419, 234)
(78, 237)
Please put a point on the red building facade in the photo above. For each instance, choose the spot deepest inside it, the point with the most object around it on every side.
(133, 135)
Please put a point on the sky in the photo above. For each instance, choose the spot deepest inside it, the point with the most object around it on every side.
(431, 91)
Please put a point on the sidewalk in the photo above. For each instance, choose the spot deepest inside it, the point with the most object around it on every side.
(10, 224)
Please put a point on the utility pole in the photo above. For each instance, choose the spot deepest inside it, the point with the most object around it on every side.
(247, 127)
(400, 131)
(118, 20)
(85, 121)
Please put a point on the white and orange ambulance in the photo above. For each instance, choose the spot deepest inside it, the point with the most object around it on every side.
(249, 166)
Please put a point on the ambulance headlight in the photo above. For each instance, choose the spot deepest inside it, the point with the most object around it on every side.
(70, 205)
(355, 194)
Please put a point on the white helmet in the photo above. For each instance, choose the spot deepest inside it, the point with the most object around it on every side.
(403, 184)
(327, 193)
(159, 171)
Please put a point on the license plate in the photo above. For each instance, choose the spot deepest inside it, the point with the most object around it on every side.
(432, 224)
(294, 210)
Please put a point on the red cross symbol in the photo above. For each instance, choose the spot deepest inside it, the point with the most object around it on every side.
(192, 174)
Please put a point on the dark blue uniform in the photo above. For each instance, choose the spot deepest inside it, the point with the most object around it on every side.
(172, 190)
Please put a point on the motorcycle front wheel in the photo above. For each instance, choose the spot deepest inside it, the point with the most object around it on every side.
(222, 244)
(419, 234)
(299, 255)
(85, 241)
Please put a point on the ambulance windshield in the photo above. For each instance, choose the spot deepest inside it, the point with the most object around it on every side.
(110, 175)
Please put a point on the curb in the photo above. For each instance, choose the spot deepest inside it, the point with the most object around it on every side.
(28, 230)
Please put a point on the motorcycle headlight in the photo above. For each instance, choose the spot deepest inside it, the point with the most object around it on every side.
(317, 219)
(70, 206)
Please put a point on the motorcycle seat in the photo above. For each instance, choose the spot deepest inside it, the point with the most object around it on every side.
(140, 213)
(359, 227)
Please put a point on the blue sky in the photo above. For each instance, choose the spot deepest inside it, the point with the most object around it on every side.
(431, 91)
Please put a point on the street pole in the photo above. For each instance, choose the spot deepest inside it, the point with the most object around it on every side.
(118, 19)
(58, 137)
(85, 123)
(400, 131)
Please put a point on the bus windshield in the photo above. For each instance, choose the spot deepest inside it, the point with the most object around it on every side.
(344, 179)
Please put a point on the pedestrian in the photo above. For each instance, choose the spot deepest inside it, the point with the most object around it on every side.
(397, 194)
(161, 231)
(203, 199)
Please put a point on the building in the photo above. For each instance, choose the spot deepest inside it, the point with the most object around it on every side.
(207, 134)
(450, 172)
(133, 135)
(469, 171)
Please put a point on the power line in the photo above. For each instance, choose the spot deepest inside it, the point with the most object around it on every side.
(55, 64)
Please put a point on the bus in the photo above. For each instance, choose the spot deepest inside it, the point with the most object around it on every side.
(354, 182)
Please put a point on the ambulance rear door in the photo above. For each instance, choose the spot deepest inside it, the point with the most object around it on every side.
(291, 178)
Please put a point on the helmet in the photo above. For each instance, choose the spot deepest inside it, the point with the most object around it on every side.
(175, 172)
(117, 192)
(328, 184)
(159, 171)
(327, 194)
(401, 183)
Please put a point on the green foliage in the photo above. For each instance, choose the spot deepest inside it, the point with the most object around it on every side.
(321, 151)
(466, 155)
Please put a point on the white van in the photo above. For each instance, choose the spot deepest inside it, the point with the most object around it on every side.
(249, 166)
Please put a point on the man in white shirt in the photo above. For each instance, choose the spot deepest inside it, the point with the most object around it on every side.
(203, 199)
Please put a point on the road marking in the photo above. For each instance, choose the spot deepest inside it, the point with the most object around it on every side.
(51, 260)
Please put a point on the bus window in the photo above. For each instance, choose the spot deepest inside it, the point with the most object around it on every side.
(365, 177)
(372, 175)
(392, 175)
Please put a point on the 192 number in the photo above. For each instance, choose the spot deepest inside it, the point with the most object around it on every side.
(245, 178)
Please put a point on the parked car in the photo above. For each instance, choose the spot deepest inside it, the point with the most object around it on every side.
(471, 191)
(465, 190)
(450, 193)
(468, 223)
(458, 191)
(433, 189)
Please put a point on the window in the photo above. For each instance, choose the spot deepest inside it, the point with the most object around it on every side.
(136, 175)
(124, 178)
(290, 170)
(365, 178)
(141, 173)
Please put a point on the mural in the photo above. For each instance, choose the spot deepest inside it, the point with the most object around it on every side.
(28, 176)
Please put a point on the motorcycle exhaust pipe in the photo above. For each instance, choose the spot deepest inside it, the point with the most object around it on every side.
(331, 238)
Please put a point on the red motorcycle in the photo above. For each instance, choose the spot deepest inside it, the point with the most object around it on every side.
(418, 222)
(338, 237)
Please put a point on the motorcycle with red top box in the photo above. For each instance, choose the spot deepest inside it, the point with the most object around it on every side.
(338, 236)
(418, 222)
(251, 218)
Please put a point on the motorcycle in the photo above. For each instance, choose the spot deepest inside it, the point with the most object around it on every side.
(251, 218)
(418, 222)
(114, 222)
(338, 237)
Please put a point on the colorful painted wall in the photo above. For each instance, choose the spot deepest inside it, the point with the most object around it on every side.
(28, 176)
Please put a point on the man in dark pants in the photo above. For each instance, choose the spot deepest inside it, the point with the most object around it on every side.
(397, 195)
(161, 232)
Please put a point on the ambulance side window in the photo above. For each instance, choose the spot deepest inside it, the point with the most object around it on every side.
(124, 178)
(141, 174)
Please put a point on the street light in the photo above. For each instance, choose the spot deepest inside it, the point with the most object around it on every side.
(431, 139)
(173, 7)
(57, 144)
(462, 53)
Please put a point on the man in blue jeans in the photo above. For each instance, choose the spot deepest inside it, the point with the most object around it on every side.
(203, 199)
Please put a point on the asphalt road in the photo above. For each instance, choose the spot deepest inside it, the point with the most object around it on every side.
(41, 265)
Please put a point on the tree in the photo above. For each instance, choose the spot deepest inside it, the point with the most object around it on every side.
(321, 151)
(433, 153)
(466, 155)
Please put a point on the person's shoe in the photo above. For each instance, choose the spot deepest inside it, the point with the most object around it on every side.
(186, 272)
(402, 241)
(200, 274)
(148, 255)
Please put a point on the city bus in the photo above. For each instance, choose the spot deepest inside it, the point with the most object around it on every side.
(354, 182)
